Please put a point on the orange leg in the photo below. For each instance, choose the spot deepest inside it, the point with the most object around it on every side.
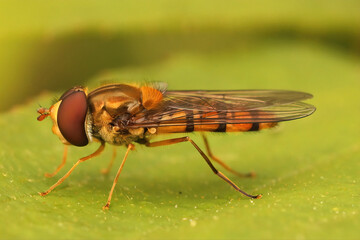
(107, 170)
(250, 174)
(130, 147)
(49, 175)
(221, 175)
(96, 153)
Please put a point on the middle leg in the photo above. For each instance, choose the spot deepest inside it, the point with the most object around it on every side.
(130, 147)
(107, 170)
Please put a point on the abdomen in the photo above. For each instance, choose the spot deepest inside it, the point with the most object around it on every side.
(213, 122)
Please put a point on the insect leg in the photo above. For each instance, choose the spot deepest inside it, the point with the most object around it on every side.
(221, 175)
(130, 147)
(49, 175)
(107, 170)
(94, 154)
(250, 174)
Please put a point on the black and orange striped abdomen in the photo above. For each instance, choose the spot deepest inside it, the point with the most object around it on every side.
(189, 121)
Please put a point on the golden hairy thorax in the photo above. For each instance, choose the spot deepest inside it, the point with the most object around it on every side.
(110, 109)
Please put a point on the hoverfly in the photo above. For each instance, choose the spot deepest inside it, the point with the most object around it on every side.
(125, 114)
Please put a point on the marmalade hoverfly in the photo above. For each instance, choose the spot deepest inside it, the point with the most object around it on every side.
(124, 114)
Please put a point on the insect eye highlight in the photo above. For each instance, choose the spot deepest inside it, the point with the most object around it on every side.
(71, 91)
(71, 116)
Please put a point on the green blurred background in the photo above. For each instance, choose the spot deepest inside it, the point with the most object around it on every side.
(54, 45)
(307, 170)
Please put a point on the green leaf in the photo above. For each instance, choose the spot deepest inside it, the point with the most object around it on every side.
(307, 170)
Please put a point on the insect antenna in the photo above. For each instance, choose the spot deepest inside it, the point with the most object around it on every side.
(44, 112)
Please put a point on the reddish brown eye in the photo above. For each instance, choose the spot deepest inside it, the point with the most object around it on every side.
(71, 117)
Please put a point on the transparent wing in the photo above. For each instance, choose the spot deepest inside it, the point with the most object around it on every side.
(240, 100)
(232, 107)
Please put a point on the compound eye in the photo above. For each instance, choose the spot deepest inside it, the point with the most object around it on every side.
(71, 117)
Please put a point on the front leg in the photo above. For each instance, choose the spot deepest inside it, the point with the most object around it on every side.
(49, 175)
(96, 153)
